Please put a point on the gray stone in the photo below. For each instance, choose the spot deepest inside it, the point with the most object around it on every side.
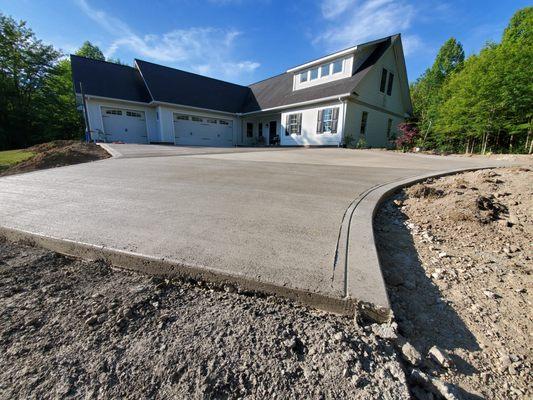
(440, 357)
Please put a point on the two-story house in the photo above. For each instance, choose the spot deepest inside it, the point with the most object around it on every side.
(358, 93)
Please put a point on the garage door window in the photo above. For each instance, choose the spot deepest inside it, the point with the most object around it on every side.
(197, 119)
(133, 114)
(211, 120)
(114, 112)
(180, 117)
(223, 122)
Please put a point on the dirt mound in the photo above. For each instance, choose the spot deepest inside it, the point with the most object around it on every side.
(459, 270)
(422, 191)
(58, 153)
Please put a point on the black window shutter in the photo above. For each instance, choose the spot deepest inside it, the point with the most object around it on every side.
(389, 87)
(383, 80)
(334, 120)
(320, 126)
(287, 133)
(299, 124)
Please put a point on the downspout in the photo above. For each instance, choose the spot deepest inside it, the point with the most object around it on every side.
(343, 108)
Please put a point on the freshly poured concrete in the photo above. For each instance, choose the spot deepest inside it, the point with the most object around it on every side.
(267, 219)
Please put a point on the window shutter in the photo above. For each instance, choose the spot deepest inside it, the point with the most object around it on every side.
(320, 126)
(334, 119)
(287, 133)
(299, 124)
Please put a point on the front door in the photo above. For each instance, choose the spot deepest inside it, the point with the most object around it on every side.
(272, 132)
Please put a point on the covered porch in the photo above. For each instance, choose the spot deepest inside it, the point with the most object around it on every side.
(261, 130)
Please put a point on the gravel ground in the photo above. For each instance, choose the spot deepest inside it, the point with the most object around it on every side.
(456, 254)
(77, 329)
(457, 257)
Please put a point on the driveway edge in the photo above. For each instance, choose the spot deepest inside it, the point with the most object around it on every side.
(174, 269)
(364, 286)
(114, 153)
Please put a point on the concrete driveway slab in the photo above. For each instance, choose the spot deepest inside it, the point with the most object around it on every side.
(267, 220)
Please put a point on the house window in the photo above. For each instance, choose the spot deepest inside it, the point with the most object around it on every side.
(327, 120)
(389, 86)
(383, 80)
(114, 112)
(389, 129)
(364, 118)
(324, 70)
(223, 122)
(181, 117)
(303, 77)
(197, 119)
(293, 124)
(249, 129)
(314, 73)
(337, 66)
(211, 121)
(260, 129)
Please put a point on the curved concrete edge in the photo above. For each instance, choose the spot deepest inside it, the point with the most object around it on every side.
(113, 152)
(365, 285)
(174, 269)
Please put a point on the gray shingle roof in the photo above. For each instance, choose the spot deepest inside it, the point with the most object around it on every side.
(101, 78)
(277, 91)
(158, 83)
(171, 85)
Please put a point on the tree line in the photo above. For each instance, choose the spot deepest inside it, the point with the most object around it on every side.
(483, 103)
(477, 104)
(37, 100)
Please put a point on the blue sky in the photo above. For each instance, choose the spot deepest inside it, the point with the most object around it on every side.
(244, 41)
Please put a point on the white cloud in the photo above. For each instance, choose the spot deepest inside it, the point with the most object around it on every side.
(333, 8)
(411, 44)
(352, 22)
(205, 50)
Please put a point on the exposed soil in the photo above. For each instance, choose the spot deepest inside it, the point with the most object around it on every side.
(457, 257)
(58, 153)
(72, 328)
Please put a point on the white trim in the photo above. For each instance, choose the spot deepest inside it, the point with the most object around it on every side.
(324, 59)
(115, 99)
(157, 103)
(144, 80)
(303, 103)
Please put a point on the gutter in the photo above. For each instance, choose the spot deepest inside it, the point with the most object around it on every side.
(303, 103)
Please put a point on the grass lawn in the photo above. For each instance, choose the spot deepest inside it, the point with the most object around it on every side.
(11, 157)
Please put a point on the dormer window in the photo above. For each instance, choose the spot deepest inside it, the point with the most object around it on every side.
(326, 71)
(337, 66)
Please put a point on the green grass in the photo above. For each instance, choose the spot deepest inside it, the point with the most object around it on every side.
(12, 157)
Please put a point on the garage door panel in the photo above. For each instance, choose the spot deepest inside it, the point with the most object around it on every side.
(123, 125)
(202, 131)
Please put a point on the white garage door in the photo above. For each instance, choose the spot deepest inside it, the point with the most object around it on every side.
(202, 131)
(122, 125)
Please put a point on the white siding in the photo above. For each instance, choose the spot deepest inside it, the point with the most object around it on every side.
(376, 126)
(368, 89)
(309, 135)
